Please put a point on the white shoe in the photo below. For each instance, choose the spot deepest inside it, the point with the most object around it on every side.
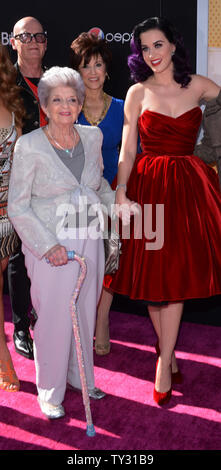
(51, 411)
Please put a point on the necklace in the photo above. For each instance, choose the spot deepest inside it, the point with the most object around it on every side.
(90, 119)
(68, 151)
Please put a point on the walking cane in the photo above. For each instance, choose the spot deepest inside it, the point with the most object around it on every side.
(73, 309)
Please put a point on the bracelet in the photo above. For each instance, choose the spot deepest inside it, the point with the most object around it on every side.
(122, 186)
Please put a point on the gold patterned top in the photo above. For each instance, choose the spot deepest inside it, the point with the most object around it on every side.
(8, 138)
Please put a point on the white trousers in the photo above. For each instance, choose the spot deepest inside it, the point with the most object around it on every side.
(54, 345)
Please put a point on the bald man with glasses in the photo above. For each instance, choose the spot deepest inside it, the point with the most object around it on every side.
(30, 42)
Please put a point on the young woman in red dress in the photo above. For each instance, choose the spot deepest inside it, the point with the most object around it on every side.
(185, 261)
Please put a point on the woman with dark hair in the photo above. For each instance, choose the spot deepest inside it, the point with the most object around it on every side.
(177, 254)
(91, 57)
(11, 115)
(140, 70)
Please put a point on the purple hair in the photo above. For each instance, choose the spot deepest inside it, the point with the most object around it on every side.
(140, 71)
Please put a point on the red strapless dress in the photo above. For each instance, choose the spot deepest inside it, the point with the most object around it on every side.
(166, 173)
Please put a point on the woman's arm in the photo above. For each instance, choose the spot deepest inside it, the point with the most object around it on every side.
(32, 231)
(128, 151)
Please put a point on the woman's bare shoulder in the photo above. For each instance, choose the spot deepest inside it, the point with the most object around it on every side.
(135, 95)
(205, 87)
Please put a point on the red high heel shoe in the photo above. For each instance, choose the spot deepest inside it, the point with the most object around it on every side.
(161, 398)
(177, 377)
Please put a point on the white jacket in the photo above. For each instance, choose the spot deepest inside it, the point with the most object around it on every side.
(40, 182)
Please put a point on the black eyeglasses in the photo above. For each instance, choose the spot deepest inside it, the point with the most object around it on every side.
(27, 37)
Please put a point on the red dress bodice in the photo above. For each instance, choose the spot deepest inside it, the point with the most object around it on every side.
(161, 134)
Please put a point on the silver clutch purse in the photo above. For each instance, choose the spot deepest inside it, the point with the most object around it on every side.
(112, 250)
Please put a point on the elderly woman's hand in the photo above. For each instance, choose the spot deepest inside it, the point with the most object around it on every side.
(57, 256)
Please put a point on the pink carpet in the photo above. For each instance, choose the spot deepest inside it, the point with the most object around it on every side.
(127, 418)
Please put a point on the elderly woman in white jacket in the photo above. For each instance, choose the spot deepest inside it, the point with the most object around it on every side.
(56, 183)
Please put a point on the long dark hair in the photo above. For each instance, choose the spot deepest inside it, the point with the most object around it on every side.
(139, 69)
(9, 91)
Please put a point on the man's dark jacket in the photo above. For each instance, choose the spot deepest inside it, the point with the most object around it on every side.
(31, 104)
(209, 149)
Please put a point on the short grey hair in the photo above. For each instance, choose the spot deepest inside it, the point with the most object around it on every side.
(60, 76)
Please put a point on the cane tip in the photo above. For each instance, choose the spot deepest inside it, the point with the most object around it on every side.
(90, 430)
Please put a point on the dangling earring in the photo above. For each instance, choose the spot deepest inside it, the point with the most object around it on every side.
(173, 53)
(107, 76)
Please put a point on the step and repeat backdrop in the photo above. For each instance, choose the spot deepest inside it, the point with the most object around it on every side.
(114, 20)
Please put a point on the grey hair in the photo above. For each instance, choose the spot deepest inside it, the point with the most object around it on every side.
(60, 76)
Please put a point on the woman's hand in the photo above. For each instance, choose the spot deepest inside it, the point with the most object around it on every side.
(57, 255)
(125, 208)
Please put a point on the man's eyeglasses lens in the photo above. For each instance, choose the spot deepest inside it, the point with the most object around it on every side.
(27, 37)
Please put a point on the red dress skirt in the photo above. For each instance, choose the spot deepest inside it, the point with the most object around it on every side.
(176, 254)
